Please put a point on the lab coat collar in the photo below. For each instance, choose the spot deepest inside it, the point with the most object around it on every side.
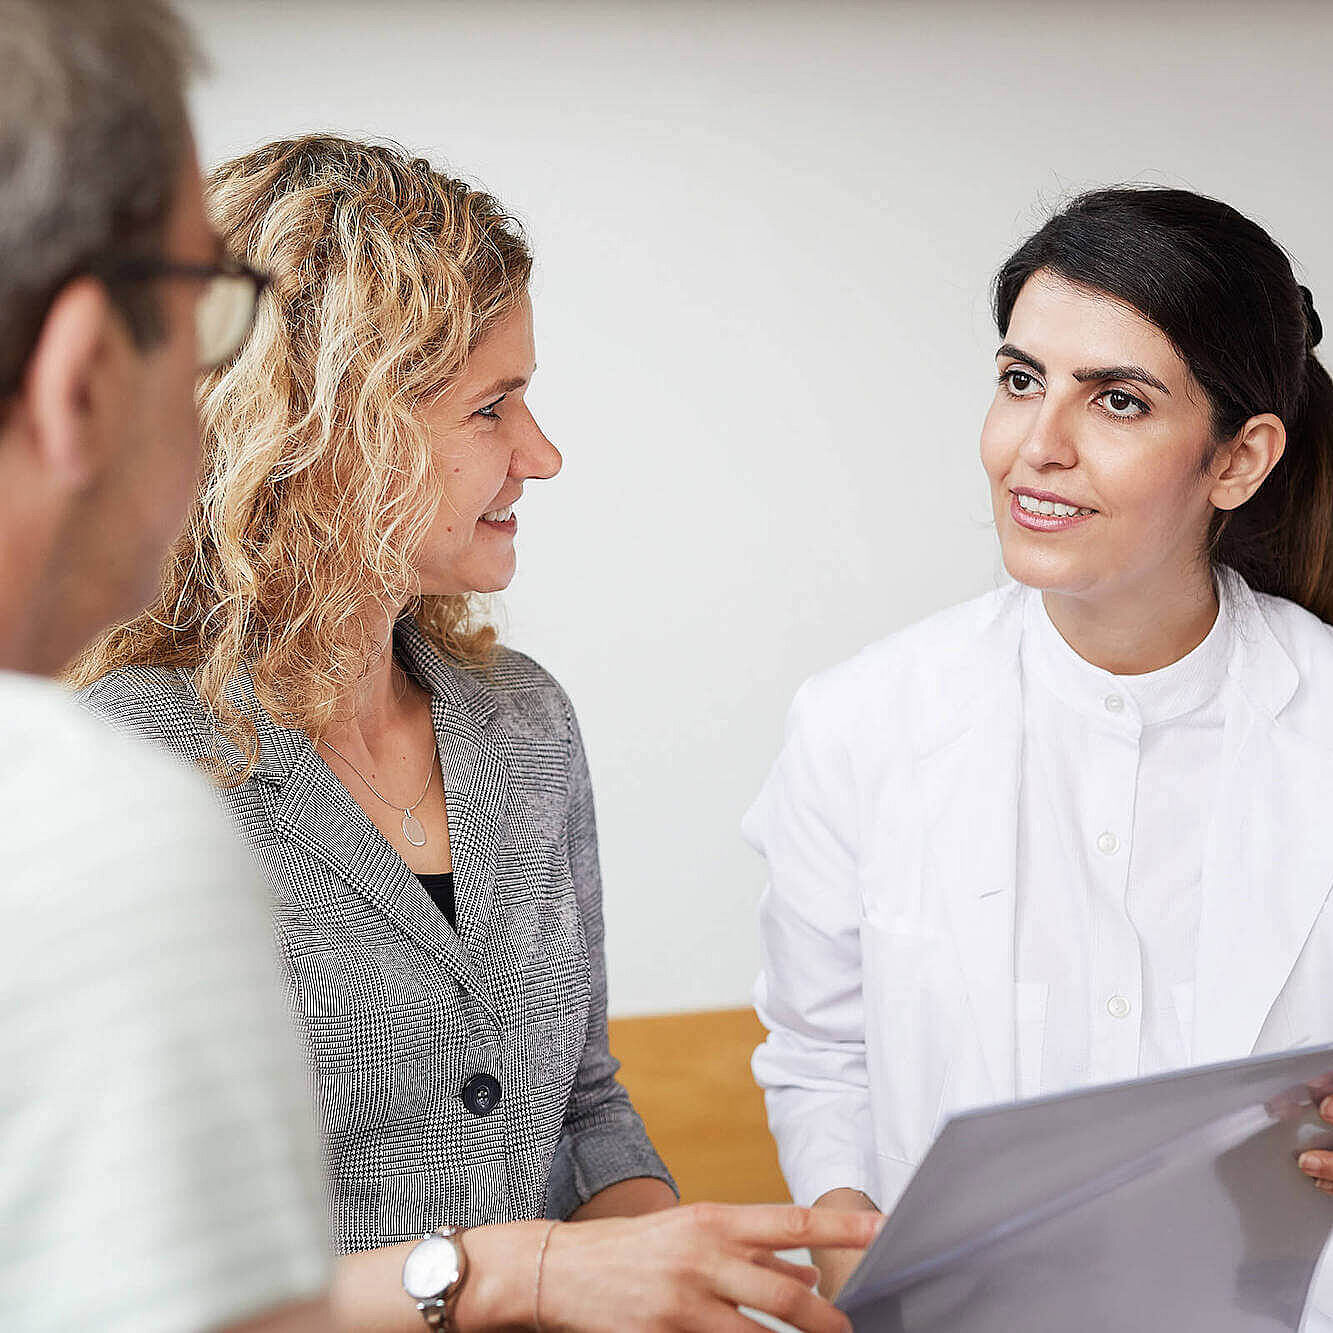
(980, 670)
(1268, 868)
(979, 674)
(1262, 666)
(1265, 880)
(977, 749)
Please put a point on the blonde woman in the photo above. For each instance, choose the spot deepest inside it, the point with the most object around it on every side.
(419, 796)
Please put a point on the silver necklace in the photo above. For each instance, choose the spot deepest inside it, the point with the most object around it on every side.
(413, 829)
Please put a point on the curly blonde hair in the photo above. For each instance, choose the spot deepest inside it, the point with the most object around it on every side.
(318, 484)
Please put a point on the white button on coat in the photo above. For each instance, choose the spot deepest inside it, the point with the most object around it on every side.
(1108, 844)
(1115, 703)
(1118, 1007)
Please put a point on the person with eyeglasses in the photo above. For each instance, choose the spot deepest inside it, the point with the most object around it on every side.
(159, 1167)
(226, 295)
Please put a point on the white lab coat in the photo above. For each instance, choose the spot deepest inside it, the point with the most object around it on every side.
(889, 824)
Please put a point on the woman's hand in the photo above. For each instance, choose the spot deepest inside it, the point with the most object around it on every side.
(837, 1265)
(1319, 1165)
(682, 1270)
(689, 1269)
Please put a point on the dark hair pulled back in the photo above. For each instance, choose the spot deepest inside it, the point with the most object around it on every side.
(1222, 290)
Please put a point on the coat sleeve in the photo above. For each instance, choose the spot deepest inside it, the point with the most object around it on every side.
(812, 1066)
(603, 1139)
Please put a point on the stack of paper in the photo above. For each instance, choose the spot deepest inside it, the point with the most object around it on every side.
(1172, 1202)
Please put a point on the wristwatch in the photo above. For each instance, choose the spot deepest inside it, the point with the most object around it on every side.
(433, 1276)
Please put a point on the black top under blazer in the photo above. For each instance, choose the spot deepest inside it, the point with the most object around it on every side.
(399, 1014)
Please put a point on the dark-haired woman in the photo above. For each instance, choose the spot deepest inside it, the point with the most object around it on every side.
(1073, 831)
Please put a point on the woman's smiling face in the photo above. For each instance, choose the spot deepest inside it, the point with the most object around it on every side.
(486, 444)
(1095, 446)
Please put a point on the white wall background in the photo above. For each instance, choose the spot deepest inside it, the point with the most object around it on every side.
(764, 235)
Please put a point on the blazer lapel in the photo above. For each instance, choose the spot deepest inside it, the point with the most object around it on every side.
(315, 814)
(313, 811)
(476, 764)
(974, 867)
(1268, 869)
(476, 789)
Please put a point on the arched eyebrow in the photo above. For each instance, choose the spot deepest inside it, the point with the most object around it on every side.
(499, 387)
(1018, 354)
(1089, 374)
(1093, 374)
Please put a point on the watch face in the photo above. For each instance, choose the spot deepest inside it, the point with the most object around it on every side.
(431, 1269)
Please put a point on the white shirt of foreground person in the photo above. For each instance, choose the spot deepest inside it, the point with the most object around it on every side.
(995, 871)
(159, 1166)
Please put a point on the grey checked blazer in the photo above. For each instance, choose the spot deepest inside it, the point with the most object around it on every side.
(398, 1012)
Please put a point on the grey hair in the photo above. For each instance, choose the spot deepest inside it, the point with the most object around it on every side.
(93, 132)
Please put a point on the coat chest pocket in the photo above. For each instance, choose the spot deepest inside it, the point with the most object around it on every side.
(557, 980)
(913, 1014)
(540, 905)
(545, 953)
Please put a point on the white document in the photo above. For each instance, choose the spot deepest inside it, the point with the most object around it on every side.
(1171, 1202)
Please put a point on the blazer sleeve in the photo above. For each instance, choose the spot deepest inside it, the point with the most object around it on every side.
(603, 1139)
(812, 1066)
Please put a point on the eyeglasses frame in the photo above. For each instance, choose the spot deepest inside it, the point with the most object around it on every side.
(149, 268)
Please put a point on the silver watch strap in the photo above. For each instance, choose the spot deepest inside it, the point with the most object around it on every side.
(436, 1316)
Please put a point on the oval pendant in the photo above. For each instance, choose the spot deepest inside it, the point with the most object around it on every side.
(412, 829)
